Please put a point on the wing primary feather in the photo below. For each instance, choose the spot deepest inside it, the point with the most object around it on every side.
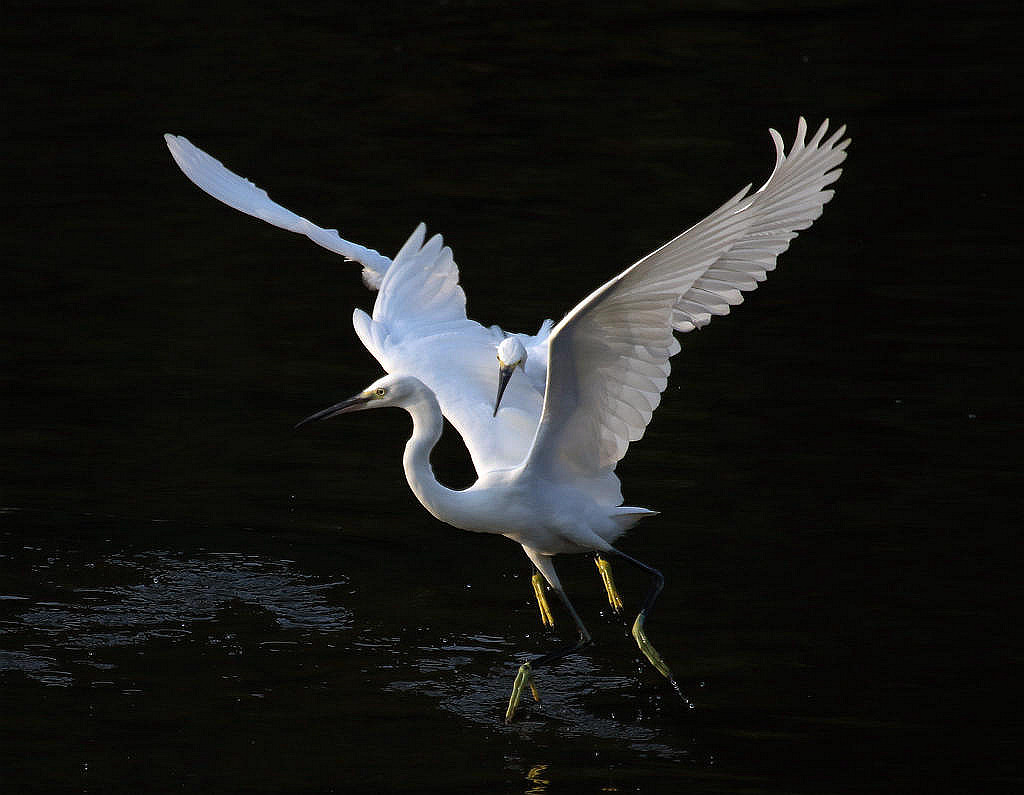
(609, 356)
(214, 178)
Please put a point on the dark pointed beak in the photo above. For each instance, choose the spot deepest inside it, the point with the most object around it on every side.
(504, 373)
(352, 404)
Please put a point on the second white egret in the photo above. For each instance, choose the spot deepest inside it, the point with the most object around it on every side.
(546, 460)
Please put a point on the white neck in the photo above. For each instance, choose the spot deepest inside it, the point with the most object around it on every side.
(427, 424)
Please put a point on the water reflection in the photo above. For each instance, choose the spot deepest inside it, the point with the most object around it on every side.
(471, 677)
(538, 784)
(106, 616)
(131, 600)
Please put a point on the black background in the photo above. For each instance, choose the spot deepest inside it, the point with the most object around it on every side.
(836, 461)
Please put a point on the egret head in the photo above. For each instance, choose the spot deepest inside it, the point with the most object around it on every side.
(391, 390)
(511, 354)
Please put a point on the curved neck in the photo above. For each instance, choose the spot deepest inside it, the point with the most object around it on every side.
(427, 424)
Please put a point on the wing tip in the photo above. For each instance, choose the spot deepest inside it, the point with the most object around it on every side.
(176, 144)
(181, 146)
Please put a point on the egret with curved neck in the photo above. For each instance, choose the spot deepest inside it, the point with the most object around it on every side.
(546, 447)
(545, 516)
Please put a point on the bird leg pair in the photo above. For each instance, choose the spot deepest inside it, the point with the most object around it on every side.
(547, 618)
(615, 602)
(524, 677)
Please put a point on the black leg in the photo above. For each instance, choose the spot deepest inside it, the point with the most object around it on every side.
(525, 675)
(584, 641)
(658, 582)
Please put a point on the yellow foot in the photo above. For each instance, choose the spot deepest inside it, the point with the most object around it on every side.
(546, 615)
(649, 651)
(605, 568)
(523, 678)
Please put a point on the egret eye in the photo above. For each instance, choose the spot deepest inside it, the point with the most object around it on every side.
(381, 391)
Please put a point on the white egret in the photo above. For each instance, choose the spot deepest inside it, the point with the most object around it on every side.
(546, 461)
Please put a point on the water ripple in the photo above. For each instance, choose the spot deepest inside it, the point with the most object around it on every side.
(575, 694)
(165, 597)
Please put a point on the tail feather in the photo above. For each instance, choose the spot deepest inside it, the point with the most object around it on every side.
(626, 516)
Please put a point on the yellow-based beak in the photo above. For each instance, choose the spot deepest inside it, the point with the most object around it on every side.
(504, 374)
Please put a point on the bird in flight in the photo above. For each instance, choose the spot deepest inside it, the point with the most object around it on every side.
(547, 417)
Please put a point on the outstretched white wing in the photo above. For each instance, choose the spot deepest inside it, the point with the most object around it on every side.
(609, 357)
(238, 192)
(419, 327)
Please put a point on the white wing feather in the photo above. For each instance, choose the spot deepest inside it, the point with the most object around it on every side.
(419, 327)
(608, 361)
(212, 176)
(788, 202)
(609, 357)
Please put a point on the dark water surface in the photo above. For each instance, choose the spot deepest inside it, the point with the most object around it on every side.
(193, 597)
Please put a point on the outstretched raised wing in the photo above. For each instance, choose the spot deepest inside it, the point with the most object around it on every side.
(609, 357)
(419, 325)
(211, 175)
